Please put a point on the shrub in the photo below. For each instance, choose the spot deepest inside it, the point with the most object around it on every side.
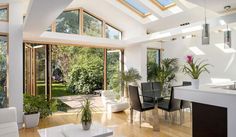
(35, 104)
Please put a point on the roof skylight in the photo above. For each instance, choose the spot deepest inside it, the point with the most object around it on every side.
(136, 7)
(164, 4)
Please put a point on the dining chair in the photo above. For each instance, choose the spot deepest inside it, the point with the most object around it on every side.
(156, 86)
(170, 105)
(136, 104)
(147, 92)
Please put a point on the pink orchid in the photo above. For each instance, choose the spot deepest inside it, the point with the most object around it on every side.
(190, 59)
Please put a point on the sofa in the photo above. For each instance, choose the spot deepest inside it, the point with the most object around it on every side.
(111, 103)
(8, 122)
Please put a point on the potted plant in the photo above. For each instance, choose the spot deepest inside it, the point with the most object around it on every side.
(165, 73)
(86, 114)
(31, 111)
(128, 77)
(36, 107)
(194, 69)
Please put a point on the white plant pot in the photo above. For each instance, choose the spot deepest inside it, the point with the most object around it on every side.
(195, 83)
(31, 120)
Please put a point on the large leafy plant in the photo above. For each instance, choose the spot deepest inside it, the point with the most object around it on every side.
(130, 76)
(166, 70)
(194, 68)
(35, 104)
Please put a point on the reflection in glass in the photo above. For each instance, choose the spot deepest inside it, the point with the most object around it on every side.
(28, 55)
(40, 58)
(3, 14)
(113, 69)
(112, 33)
(91, 25)
(3, 71)
(153, 60)
(68, 22)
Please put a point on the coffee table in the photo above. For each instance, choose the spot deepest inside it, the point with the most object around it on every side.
(75, 130)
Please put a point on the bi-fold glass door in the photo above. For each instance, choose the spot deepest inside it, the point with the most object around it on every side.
(36, 69)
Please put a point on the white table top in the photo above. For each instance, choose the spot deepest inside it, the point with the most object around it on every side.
(75, 130)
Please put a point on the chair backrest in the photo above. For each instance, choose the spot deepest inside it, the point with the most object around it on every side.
(157, 89)
(147, 90)
(134, 98)
(175, 104)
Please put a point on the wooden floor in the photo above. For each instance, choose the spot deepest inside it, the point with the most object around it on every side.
(120, 123)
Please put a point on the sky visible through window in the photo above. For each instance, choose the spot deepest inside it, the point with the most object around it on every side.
(137, 6)
(165, 3)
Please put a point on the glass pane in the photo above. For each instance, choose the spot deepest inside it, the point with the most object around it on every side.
(28, 53)
(40, 58)
(153, 60)
(3, 71)
(3, 14)
(165, 3)
(112, 33)
(68, 22)
(137, 6)
(113, 69)
(92, 26)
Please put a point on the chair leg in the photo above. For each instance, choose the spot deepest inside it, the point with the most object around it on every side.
(131, 115)
(140, 119)
(181, 116)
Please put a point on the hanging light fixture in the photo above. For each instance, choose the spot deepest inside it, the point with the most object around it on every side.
(227, 38)
(206, 30)
(227, 33)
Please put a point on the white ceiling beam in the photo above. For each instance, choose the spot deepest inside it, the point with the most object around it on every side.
(41, 14)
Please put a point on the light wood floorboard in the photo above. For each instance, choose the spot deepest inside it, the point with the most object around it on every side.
(120, 123)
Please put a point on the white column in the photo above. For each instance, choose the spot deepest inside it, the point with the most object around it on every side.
(15, 58)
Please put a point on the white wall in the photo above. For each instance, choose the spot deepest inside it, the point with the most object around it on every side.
(224, 64)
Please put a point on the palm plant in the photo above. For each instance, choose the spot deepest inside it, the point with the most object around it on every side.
(195, 68)
(130, 76)
(166, 71)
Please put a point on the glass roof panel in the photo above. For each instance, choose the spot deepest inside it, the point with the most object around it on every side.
(137, 6)
(165, 3)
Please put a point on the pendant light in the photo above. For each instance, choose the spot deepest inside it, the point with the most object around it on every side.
(227, 33)
(227, 38)
(206, 30)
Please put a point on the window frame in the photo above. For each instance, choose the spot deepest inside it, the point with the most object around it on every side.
(113, 28)
(132, 8)
(81, 25)
(155, 2)
(54, 25)
(5, 7)
(7, 63)
(102, 24)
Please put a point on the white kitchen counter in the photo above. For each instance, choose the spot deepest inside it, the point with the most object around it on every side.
(215, 96)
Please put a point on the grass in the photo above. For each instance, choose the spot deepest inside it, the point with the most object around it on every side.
(58, 89)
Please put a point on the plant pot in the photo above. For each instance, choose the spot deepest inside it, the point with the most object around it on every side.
(195, 83)
(86, 125)
(31, 120)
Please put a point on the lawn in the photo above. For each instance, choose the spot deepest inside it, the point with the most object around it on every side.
(58, 89)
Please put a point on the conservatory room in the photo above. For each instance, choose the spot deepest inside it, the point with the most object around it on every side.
(117, 68)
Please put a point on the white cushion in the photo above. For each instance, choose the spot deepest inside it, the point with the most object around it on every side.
(117, 106)
(9, 129)
(8, 123)
(8, 115)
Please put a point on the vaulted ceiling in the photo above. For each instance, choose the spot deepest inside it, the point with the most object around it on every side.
(41, 14)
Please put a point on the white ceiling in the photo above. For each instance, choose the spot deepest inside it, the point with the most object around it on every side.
(43, 12)
(215, 5)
